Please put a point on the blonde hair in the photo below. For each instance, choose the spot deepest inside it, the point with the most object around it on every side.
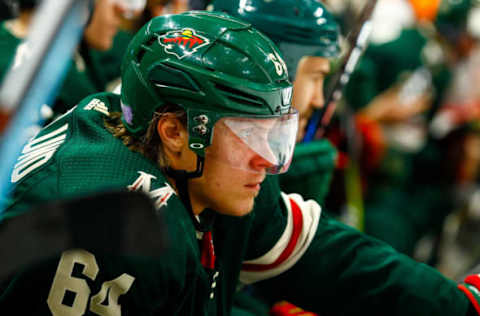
(148, 144)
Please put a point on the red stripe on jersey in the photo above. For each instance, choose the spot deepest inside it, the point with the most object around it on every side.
(208, 253)
(470, 297)
(297, 219)
(474, 280)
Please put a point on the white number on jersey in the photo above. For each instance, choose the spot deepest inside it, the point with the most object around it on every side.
(64, 281)
(37, 152)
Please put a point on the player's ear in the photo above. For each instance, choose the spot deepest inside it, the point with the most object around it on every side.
(172, 133)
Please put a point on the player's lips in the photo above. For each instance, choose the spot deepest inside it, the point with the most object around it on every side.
(255, 185)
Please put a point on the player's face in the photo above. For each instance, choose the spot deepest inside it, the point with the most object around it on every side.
(103, 25)
(226, 188)
(243, 150)
(308, 88)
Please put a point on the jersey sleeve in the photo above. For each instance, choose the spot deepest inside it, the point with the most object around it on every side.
(40, 170)
(324, 266)
(301, 222)
(33, 178)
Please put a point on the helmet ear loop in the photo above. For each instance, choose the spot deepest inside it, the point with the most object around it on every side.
(181, 177)
(181, 181)
(183, 174)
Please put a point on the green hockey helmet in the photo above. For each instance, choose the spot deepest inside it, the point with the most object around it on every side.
(299, 27)
(216, 68)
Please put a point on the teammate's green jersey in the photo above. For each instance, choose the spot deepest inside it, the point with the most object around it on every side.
(283, 244)
(311, 171)
(8, 46)
(89, 71)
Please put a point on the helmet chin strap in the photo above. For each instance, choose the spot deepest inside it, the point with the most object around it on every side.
(181, 178)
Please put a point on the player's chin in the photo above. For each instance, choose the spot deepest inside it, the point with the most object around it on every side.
(103, 43)
(239, 208)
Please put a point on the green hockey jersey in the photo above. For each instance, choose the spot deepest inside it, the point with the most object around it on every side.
(89, 71)
(284, 245)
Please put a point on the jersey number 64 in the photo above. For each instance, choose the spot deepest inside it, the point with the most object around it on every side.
(64, 281)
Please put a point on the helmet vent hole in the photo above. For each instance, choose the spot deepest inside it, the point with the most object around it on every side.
(140, 55)
(151, 41)
(238, 96)
(164, 76)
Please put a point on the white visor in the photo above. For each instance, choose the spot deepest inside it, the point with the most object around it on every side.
(255, 144)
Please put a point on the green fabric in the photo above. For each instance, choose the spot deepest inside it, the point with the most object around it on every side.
(311, 170)
(99, 70)
(382, 65)
(453, 14)
(342, 272)
(470, 287)
(8, 46)
(236, 311)
(82, 165)
(108, 63)
(247, 304)
(75, 86)
(408, 197)
(399, 208)
(359, 270)
(89, 71)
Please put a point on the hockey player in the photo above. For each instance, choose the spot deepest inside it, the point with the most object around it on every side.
(205, 115)
(308, 37)
(87, 72)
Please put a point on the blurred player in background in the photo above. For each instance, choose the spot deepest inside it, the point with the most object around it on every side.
(199, 134)
(308, 37)
(88, 73)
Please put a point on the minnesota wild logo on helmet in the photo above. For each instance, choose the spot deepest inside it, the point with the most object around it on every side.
(182, 42)
(211, 64)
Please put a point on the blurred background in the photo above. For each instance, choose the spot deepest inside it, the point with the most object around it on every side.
(413, 102)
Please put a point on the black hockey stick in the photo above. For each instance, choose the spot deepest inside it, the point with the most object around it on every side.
(358, 40)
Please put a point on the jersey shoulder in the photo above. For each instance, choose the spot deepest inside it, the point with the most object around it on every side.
(77, 155)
